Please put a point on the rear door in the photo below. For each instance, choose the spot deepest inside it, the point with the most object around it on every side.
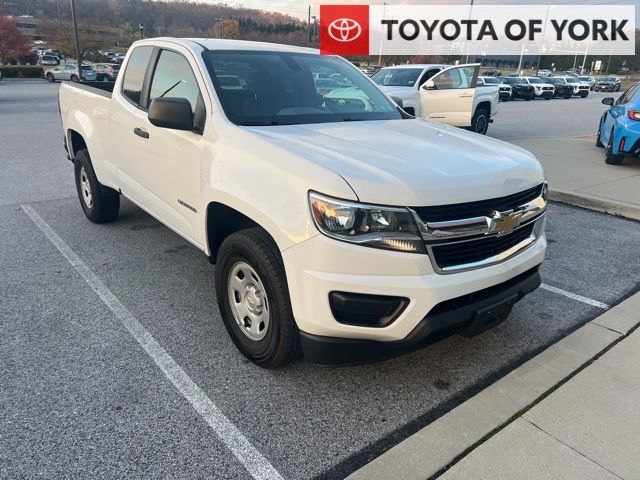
(448, 96)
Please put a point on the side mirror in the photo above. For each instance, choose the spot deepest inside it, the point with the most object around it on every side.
(171, 112)
(397, 100)
(608, 101)
(430, 85)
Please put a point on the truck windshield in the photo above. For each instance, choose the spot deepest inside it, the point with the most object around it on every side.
(283, 88)
(397, 77)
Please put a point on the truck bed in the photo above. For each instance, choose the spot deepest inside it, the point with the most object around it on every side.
(103, 89)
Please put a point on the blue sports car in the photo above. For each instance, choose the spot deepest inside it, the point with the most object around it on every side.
(619, 130)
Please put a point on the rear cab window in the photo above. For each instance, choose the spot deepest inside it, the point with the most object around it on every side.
(135, 72)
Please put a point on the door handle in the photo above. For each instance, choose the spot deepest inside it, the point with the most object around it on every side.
(140, 132)
(466, 95)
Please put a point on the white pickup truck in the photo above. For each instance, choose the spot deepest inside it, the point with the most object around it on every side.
(442, 93)
(342, 227)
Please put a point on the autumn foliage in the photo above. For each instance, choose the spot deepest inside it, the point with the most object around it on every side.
(12, 43)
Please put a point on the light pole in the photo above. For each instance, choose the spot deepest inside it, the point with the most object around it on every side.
(309, 27)
(466, 58)
(384, 11)
(141, 27)
(74, 21)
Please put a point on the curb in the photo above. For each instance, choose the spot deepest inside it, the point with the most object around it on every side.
(432, 450)
(599, 204)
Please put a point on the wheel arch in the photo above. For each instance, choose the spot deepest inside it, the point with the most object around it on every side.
(221, 220)
(75, 142)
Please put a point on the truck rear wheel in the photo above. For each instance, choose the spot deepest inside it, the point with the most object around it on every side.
(100, 203)
(611, 158)
(253, 298)
(480, 121)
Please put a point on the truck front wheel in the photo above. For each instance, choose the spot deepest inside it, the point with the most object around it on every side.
(253, 298)
(100, 203)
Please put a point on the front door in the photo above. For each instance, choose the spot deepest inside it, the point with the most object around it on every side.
(168, 161)
(447, 97)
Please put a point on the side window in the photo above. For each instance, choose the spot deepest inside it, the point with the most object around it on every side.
(455, 78)
(134, 74)
(628, 95)
(173, 77)
(427, 75)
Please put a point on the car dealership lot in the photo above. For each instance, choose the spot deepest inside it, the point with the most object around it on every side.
(80, 397)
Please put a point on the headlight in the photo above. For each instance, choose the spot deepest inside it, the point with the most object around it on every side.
(388, 228)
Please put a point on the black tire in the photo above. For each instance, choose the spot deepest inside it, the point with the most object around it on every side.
(280, 344)
(567, 96)
(548, 98)
(584, 95)
(527, 99)
(618, 88)
(50, 78)
(104, 203)
(74, 78)
(609, 157)
(480, 121)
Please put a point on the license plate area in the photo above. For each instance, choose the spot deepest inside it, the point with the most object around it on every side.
(488, 317)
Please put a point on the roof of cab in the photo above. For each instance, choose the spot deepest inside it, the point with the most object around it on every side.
(222, 44)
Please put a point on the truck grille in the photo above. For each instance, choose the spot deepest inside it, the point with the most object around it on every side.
(470, 251)
(474, 209)
(547, 88)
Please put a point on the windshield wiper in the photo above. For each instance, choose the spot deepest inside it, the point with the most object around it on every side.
(261, 124)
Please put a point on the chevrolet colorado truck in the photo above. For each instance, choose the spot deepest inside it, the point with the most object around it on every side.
(442, 93)
(342, 227)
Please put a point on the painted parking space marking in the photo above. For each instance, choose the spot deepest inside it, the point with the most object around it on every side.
(579, 298)
(255, 463)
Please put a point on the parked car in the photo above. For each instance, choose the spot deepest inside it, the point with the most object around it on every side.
(542, 88)
(49, 60)
(290, 195)
(444, 94)
(326, 85)
(370, 70)
(69, 71)
(608, 84)
(504, 90)
(589, 80)
(106, 72)
(492, 73)
(520, 88)
(562, 88)
(619, 128)
(580, 89)
(543, 72)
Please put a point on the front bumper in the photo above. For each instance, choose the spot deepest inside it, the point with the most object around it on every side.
(468, 315)
(334, 266)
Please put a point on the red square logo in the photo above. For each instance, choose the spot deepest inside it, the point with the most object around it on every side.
(344, 29)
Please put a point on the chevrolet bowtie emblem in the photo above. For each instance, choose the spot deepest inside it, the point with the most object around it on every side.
(502, 223)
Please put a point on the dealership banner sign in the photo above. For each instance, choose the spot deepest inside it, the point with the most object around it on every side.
(477, 29)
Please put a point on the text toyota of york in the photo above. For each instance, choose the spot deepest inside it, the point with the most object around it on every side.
(450, 29)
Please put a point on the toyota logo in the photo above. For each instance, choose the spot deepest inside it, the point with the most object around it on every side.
(344, 30)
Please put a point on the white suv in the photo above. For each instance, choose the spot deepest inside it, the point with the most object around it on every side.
(542, 89)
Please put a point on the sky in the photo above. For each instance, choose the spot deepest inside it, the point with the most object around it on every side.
(299, 8)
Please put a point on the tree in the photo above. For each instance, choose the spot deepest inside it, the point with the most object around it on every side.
(227, 29)
(60, 34)
(12, 43)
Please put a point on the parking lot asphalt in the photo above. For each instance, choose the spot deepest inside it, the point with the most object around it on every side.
(81, 398)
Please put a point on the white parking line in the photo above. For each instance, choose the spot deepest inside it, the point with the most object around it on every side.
(573, 296)
(258, 466)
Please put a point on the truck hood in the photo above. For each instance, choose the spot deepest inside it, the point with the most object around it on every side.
(410, 162)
